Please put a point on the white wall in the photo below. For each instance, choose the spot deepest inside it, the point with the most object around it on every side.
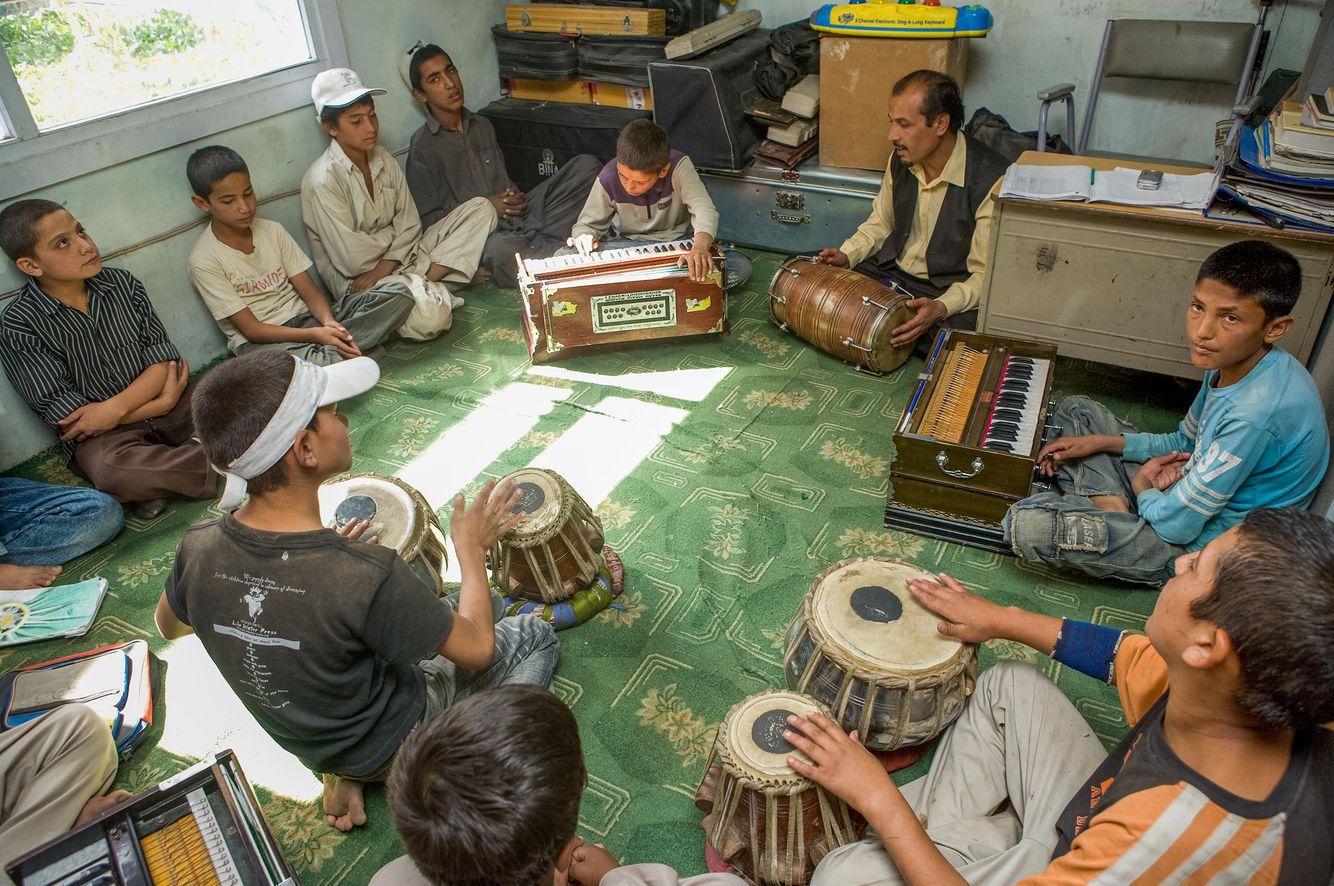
(1037, 43)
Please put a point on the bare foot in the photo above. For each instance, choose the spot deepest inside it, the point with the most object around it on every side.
(97, 805)
(20, 578)
(343, 803)
(1110, 503)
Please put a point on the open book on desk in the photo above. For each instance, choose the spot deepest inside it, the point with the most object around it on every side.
(1105, 186)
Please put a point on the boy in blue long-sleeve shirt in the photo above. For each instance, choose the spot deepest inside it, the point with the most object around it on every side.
(1254, 437)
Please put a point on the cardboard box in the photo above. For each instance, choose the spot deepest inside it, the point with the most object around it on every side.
(583, 92)
(856, 74)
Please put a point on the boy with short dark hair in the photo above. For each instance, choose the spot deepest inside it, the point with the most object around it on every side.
(335, 646)
(1226, 775)
(255, 279)
(454, 157)
(1254, 437)
(83, 347)
(362, 223)
(652, 194)
(486, 812)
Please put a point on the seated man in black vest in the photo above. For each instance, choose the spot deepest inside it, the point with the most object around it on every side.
(930, 225)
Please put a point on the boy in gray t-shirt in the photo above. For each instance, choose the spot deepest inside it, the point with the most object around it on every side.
(334, 645)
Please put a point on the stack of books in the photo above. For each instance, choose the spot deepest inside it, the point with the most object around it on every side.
(1283, 171)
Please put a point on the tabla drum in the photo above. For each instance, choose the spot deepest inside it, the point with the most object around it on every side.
(862, 645)
(841, 312)
(398, 514)
(556, 550)
(762, 818)
(582, 605)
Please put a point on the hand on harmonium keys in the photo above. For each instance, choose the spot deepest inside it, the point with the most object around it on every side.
(585, 243)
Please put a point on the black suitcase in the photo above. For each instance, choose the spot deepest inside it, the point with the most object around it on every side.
(537, 138)
(619, 59)
(682, 15)
(534, 56)
(702, 102)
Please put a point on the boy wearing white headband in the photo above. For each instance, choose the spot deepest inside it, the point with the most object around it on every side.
(334, 645)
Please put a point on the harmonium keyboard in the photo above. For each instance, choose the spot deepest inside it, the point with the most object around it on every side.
(966, 446)
(578, 304)
(202, 826)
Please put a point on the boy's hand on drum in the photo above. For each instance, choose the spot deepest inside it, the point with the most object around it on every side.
(355, 529)
(589, 864)
(968, 617)
(928, 311)
(839, 763)
(831, 256)
(481, 524)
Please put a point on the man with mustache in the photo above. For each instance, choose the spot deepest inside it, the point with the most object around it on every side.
(930, 224)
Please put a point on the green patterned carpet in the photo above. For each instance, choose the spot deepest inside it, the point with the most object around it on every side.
(727, 473)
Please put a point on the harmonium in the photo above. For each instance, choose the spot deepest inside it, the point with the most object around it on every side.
(579, 304)
(967, 443)
(202, 826)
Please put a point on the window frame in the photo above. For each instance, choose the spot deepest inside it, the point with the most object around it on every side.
(31, 160)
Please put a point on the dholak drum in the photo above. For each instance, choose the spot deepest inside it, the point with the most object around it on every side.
(841, 312)
(556, 549)
(764, 819)
(398, 514)
(861, 644)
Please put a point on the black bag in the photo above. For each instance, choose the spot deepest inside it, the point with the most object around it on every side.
(619, 59)
(794, 52)
(995, 132)
(533, 56)
(702, 102)
(537, 138)
(682, 15)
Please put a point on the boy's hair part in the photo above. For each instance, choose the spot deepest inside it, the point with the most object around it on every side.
(419, 58)
(208, 166)
(1274, 595)
(233, 403)
(18, 226)
(1264, 273)
(643, 147)
(488, 792)
(940, 95)
(329, 116)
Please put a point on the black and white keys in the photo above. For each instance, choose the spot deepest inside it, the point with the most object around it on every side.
(1017, 412)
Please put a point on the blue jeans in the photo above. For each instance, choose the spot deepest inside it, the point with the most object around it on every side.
(46, 525)
(737, 267)
(1069, 530)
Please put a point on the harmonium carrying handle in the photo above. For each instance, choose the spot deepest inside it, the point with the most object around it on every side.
(942, 459)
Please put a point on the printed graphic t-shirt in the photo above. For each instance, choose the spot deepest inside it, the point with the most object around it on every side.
(320, 637)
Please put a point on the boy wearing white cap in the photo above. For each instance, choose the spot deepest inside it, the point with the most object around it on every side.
(362, 223)
(335, 646)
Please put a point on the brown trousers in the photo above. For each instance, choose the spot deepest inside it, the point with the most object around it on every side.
(149, 459)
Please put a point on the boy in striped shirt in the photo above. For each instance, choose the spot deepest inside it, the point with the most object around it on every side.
(1255, 437)
(83, 347)
(1225, 776)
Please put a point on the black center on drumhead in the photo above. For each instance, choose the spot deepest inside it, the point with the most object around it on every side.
(354, 507)
(767, 732)
(531, 497)
(875, 603)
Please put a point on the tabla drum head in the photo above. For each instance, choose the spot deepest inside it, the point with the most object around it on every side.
(541, 497)
(866, 613)
(387, 505)
(755, 742)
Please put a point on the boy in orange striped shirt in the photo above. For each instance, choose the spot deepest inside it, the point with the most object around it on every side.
(1226, 778)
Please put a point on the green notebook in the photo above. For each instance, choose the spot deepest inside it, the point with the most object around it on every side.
(45, 613)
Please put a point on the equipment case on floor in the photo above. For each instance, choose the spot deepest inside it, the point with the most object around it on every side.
(537, 138)
(789, 211)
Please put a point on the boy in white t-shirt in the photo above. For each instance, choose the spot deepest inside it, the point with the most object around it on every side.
(256, 281)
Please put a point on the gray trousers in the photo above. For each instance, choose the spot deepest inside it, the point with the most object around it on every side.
(553, 208)
(49, 768)
(1068, 530)
(370, 317)
(1001, 777)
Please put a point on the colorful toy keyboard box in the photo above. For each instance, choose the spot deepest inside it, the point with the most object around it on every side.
(889, 18)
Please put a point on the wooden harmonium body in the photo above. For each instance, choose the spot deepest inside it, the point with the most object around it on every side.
(579, 304)
(967, 443)
(202, 826)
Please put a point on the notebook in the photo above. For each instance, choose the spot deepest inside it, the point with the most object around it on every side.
(45, 613)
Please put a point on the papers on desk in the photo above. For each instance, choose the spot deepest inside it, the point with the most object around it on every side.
(1281, 192)
(1100, 186)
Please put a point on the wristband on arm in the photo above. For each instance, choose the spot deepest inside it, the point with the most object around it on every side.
(1088, 648)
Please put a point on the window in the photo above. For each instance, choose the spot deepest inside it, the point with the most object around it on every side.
(86, 84)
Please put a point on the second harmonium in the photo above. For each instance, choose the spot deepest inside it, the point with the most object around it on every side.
(967, 443)
(578, 304)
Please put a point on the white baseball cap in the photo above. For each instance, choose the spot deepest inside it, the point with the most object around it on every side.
(338, 88)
